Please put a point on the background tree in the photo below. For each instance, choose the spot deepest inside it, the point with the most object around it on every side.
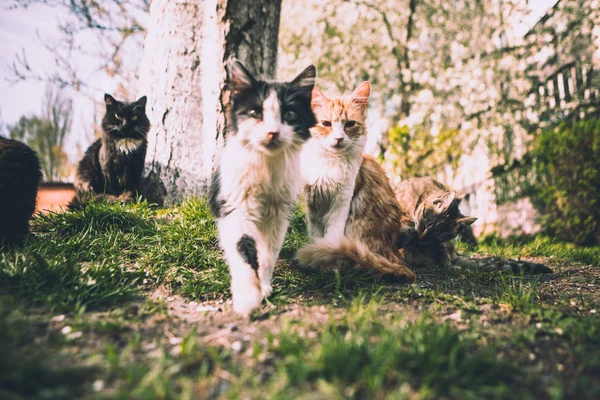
(183, 75)
(46, 134)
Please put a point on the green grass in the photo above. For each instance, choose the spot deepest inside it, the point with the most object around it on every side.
(539, 246)
(98, 266)
(31, 367)
(173, 372)
(365, 355)
(63, 285)
(519, 293)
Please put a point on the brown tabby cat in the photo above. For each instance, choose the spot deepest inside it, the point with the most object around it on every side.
(430, 219)
(352, 211)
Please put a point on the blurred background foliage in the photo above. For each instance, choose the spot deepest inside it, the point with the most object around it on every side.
(567, 185)
(46, 132)
(486, 95)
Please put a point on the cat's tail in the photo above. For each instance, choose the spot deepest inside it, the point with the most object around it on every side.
(346, 253)
(490, 264)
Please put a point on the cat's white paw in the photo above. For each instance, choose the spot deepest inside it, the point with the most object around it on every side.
(246, 298)
(266, 290)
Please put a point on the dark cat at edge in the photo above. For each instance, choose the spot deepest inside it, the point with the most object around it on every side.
(20, 176)
(112, 166)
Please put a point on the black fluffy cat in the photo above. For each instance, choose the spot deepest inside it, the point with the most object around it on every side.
(112, 166)
(20, 176)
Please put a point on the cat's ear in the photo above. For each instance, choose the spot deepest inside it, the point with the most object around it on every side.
(109, 100)
(239, 77)
(318, 98)
(142, 101)
(443, 202)
(360, 97)
(466, 221)
(305, 81)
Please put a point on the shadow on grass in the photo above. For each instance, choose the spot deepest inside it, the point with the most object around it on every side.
(30, 367)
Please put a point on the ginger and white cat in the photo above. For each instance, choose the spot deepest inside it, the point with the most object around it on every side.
(258, 178)
(353, 216)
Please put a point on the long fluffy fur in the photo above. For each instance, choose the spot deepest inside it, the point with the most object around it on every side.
(112, 166)
(345, 253)
(257, 178)
(351, 207)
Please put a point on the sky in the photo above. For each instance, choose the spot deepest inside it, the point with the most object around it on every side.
(19, 29)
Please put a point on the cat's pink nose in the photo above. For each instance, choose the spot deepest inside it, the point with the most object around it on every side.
(338, 140)
(273, 136)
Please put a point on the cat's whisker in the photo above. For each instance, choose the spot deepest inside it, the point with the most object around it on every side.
(141, 131)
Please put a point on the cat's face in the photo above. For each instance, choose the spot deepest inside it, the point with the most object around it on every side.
(438, 218)
(270, 116)
(341, 121)
(125, 120)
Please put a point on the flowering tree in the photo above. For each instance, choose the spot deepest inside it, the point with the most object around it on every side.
(462, 90)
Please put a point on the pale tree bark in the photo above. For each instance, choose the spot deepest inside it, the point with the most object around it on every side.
(183, 75)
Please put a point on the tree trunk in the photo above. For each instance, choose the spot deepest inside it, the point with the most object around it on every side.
(183, 75)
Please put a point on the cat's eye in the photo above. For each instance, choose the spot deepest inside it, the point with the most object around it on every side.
(134, 117)
(290, 116)
(118, 117)
(326, 123)
(349, 124)
(255, 113)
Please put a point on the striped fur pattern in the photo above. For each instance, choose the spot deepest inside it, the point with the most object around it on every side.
(352, 211)
(257, 179)
(430, 219)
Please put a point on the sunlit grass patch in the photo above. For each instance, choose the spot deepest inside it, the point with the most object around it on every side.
(184, 252)
(97, 217)
(99, 233)
(519, 293)
(64, 286)
(539, 246)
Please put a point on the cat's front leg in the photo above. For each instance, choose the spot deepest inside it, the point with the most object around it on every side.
(338, 216)
(241, 253)
(315, 228)
(269, 246)
(406, 234)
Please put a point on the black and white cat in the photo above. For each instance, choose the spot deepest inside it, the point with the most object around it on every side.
(112, 166)
(258, 178)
